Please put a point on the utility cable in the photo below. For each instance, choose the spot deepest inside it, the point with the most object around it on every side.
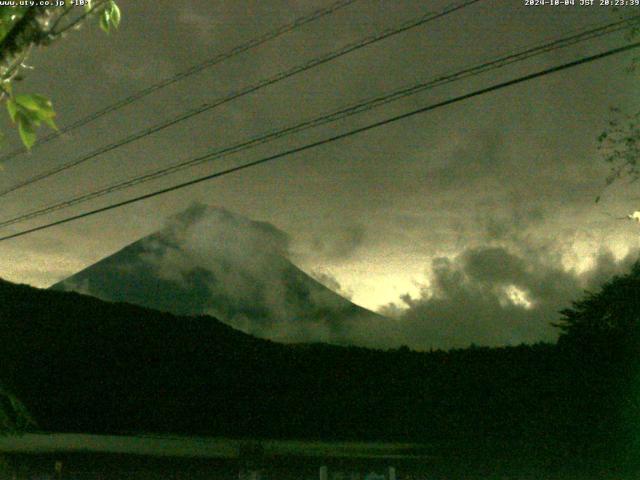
(253, 43)
(331, 139)
(237, 94)
(330, 117)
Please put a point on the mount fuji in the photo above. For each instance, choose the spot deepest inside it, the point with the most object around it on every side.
(210, 261)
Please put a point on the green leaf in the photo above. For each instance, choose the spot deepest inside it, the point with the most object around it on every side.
(33, 117)
(35, 103)
(114, 14)
(105, 23)
(36, 108)
(88, 6)
(26, 130)
(29, 111)
(50, 123)
(12, 109)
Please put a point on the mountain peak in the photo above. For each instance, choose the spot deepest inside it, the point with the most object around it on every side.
(210, 261)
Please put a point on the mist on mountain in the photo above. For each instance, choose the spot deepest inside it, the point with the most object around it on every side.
(210, 261)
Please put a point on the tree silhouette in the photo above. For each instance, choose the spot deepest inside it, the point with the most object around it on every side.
(601, 341)
(609, 319)
(619, 142)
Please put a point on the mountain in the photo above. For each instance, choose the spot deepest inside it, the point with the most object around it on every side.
(209, 261)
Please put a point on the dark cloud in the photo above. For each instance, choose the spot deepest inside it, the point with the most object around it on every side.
(605, 266)
(493, 296)
(493, 265)
(210, 260)
(340, 242)
(332, 283)
(508, 224)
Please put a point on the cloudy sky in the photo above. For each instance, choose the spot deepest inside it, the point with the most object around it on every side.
(474, 222)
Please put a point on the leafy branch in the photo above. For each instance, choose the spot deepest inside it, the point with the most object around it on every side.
(21, 29)
(619, 143)
(619, 146)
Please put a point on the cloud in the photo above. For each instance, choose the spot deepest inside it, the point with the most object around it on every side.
(512, 221)
(341, 242)
(332, 283)
(489, 294)
(245, 261)
(494, 296)
(242, 269)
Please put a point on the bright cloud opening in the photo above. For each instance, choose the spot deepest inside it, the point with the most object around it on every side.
(518, 297)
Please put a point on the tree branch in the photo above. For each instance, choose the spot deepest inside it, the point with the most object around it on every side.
(77, 20)
(25, 32)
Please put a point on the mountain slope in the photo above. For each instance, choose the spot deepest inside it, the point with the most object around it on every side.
(81, 364)
(210, 261)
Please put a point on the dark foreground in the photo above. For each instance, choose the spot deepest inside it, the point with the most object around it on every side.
(565, 411)
(74, 456)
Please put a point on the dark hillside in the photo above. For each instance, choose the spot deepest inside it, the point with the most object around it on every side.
(81, 364)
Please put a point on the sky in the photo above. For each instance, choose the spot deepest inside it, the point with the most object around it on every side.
(475, 222)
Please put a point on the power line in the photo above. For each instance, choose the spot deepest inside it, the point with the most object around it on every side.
(253, 43)
(334, 138)
(333, 116)
(245, 91)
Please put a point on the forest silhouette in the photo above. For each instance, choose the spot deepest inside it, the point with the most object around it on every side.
(80, 364)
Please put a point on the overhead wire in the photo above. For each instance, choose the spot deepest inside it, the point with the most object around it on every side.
(360, 107)
(308, 146)
(197, 68)
(240, 93)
